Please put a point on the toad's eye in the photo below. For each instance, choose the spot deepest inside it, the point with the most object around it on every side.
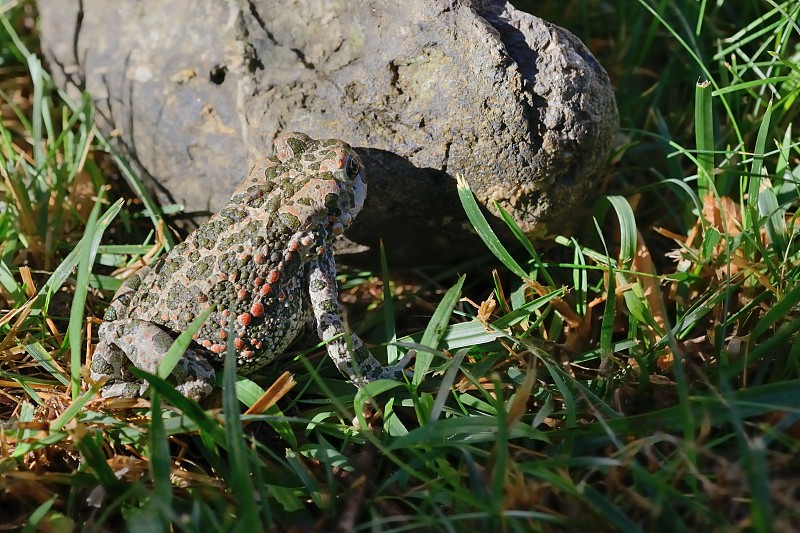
(351, 168)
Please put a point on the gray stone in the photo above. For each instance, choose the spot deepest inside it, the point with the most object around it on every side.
(424, 89)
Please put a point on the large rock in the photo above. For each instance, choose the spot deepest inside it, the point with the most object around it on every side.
(425, 89)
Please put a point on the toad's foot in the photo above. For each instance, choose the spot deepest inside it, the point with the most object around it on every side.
(143, 344)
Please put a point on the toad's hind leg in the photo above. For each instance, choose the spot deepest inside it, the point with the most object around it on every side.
(118, 309)
(358, 364)
(144, 344)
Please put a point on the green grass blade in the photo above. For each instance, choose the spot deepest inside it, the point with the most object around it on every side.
(784, 147)
(704, 137)
(609, 313)
(238, 454)
(709, 408)
(737, 87)
(160, 461)
(580, 280)
(637, 304)
(688, 190)
(261, 476)
(44, 358)
(467, 430)
(777, 341)
(759, 480)
(70, 262)
(9, 284)
(74, 409)
(89, 445)
(500, 453)
(776, 223)
(447, 382)
(781, 309)
(36, 517)
(436, 329)
(75, 329)
(526, 243)
(38, 78)
(525, 310)
(609, 510)
(458, 336)
(181, 343)
(483, 229)
(627, 230)
(754, 181)
(205, 423)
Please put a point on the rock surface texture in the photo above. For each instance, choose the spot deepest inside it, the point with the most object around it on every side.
(424, 89)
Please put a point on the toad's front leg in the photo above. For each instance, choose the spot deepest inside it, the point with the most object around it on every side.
(131, 341)
(356, 364)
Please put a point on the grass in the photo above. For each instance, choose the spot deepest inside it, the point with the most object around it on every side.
(640, 375)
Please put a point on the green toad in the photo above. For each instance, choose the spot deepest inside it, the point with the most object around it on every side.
(264, 261)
